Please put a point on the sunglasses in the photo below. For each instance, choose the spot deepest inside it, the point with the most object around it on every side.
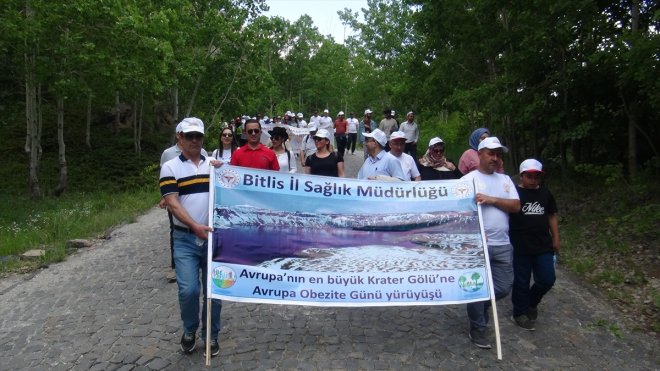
(438, 149)
(227, 135)
(277, 138)
(253, 131)
(191, 136)
(316, 139)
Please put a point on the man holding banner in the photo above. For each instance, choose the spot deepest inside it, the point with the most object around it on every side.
(184, 184)
(498, 197)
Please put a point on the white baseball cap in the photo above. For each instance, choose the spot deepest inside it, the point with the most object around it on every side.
(378, 136)
(398, 135)
(322, 133)
(491, 143)
(531, 166)
(190, 124)
(326, 110)
(341, 113)
(435, 141)
(312, 128)
(368, 111)
(300, 115)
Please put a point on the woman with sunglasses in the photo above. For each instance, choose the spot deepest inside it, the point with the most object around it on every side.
(434, 165)
(324, 161)
(227, 145)
(278, 138)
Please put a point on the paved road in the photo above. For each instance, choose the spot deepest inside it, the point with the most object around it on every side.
(109, 307)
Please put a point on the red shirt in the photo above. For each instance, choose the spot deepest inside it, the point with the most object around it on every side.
(260, 158)
(340, 126)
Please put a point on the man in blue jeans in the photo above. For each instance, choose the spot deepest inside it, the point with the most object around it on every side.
(498, 197)
(184, 183)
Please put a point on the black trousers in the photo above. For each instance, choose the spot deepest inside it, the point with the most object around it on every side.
(352, 141)
(341, 143)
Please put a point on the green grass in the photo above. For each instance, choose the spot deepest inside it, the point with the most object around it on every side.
(48, 223)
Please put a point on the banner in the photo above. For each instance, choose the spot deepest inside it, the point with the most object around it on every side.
(310, 240)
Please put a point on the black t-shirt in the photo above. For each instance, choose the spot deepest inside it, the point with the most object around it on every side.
(429, 173)
(324, 166)
(529, 229)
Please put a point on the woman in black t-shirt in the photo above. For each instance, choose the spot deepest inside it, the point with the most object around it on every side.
(324, 161)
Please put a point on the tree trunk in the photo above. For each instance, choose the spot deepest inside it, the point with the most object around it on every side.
(139, 125)
(33, 138)
(115, 128)
(88, 126)
(632, 108)
(136, 140)
(61, 153)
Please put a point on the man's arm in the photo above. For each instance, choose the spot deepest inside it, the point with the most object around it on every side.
(554, 229)
(182, 215)
(505, 204)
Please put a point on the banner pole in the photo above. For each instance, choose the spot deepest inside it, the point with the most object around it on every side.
(207, 344)
(496, 324)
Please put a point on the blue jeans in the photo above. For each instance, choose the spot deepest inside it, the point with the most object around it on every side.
(190, 258)
(542, 266)
(501, 266)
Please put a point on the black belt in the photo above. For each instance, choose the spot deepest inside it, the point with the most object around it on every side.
(182, 229)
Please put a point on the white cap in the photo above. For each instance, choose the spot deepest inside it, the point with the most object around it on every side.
(392, 112)
(398, 135)
(300, 115)
(312, 128)
(532, 166)
(190, 124)
(491, 143)
(288, 113)
(378, 135)
(368, 111)
(410, 113)
(322, 133)
(435, 141)
(341, 113)
(326, 110)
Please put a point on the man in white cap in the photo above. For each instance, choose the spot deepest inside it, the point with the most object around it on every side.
(184, 183)
(315, 119)
(379, 164)
(397, 144)
(325, 122)
(168, 154)
(351, 132)
(535, 238)
(409, 127)
(366, 126)
(498, 197)
(340, 133)
(307, 148)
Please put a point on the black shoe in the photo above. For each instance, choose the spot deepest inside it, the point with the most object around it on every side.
(188, 342)
(524, 322)
(532, 313)
(479, 339)
(215, 348)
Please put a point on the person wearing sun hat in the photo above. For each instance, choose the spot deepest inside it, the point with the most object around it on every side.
(379, 163)
(534, 232)
(278, 138)
(434, 165)
(324, 161)
(497, 196)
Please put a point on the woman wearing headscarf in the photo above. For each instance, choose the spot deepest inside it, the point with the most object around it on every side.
(434, 165)
(470, 159)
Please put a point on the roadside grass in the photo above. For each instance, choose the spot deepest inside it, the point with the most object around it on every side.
(609, 233)
(49, 223)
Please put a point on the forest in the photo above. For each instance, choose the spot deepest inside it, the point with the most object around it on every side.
(573, 83)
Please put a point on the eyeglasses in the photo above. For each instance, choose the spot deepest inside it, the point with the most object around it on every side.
(253, 131)
(316, 139)
(227, 135)
(191, 136)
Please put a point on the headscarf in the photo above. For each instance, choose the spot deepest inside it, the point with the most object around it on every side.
(429, 161)
(474, 137)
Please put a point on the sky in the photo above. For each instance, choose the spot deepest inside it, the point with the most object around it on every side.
(323, 13)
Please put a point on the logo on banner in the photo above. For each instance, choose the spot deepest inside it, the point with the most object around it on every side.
(462, 190)
(471, 282)
(223, 277)
(228, 178)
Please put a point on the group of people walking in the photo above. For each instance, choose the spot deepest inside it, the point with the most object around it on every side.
(520, 221)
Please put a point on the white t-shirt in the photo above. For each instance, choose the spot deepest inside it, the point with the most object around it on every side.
(287, 162)
(352, 125)
(496, 221)
(408, 165)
